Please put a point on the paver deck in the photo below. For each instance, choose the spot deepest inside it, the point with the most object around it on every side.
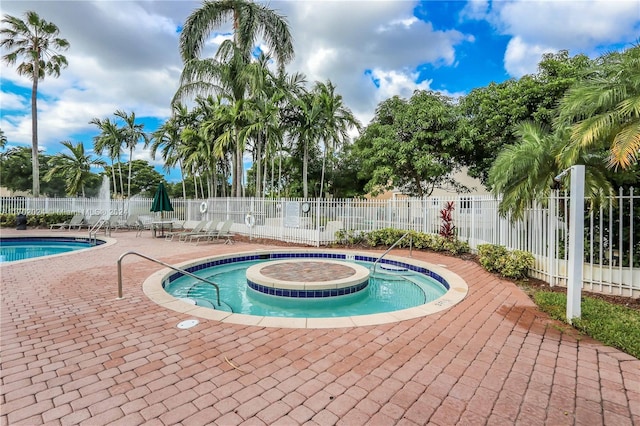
(72, 353)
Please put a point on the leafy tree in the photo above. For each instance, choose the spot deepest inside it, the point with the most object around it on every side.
(411, 145)
(144, 178)
(37, 41)
(344, 180)
(604, 109)
(491, 114)
(75, 168)
(16, 172)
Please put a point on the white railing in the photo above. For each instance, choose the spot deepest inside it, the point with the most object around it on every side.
(612, 252)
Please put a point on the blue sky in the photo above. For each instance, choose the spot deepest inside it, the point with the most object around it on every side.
(124, 54)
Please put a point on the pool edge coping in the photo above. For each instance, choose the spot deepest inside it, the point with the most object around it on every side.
(108, 241)
(458, 290)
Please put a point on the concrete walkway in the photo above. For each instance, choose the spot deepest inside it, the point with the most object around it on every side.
(71, 353)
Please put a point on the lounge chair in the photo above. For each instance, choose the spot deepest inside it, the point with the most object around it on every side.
(76, 221)
(115, 222)
(142, 225)
(131, 222)
(183, 235)
(215, 235)
(93, 219)
(210, 229)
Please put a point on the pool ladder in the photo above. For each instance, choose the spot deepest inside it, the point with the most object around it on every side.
(166, 265)
(391, 248)
(93, 231)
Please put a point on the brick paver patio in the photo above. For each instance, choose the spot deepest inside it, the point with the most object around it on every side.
(72, 353)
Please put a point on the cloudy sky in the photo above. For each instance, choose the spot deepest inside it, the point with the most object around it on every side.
(124, 54)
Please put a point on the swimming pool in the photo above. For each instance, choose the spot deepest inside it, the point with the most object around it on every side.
(13, 249)
(429, 288)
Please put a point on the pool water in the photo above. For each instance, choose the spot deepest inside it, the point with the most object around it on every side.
(387, 291)
(13, 249)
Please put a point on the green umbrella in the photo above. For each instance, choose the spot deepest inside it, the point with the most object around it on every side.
(161, 202)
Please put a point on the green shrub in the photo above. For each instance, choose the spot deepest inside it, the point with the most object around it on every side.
(418, 240)
(491, 256)
(349, 237)
(516, 264)
(511, 264)
(8, 220)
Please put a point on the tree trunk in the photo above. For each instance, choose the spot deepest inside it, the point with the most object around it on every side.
(259, 167)
(305, 165)
(129, 178)
(239, 170)
(324, 160)
(35, 165)
(113, 175)
(184, 185)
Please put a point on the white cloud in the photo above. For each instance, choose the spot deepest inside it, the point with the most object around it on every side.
(124, 54)
(551, 25)
(521, 58)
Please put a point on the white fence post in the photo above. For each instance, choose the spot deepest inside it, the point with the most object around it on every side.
(576, 243)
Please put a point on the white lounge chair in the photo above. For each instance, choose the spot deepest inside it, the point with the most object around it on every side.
(75, 222)
(215, 235)
(183, 235)
(210, 229)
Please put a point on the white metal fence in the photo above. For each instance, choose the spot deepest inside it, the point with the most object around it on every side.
(612, 241)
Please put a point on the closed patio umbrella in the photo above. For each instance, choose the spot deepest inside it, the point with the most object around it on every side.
(161, 202)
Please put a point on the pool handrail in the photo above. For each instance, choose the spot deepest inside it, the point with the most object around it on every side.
(166, 265)
(373, 268)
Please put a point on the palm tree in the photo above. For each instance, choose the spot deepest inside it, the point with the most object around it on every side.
(111, 139)
(250, 20)
(37, 41)
(604, 109)
(336, 121)
(168, 136)
(304, 126)
(523, 173)
(226, 74)
(132, 134)
(75, 167)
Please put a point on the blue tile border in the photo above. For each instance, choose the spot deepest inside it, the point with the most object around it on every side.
(307, 294)
(339, 256)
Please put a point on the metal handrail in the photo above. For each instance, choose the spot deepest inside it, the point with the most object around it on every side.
(182, 271)
(93, 231)
(391, 248)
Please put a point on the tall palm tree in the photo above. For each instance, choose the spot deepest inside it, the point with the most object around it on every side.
(250, 21)
(37, 41)
(168, 136)
(133, 133)
(226, 74)
(75, 167)
(604, 109)
(336, 121)
(523, 173)
(305, 127)
(110, 139)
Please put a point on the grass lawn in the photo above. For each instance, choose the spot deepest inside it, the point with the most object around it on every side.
(611, 323)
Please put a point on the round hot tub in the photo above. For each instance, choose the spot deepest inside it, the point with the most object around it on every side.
(307, 278)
